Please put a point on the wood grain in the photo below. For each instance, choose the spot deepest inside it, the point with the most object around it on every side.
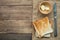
(16, 2)
(16, 17)
(15, 12)
(15, 36)
(15, 26)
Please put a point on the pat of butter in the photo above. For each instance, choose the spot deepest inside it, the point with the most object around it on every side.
(47, 8)
(43, 7)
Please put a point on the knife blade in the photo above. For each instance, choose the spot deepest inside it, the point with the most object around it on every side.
(55, 19)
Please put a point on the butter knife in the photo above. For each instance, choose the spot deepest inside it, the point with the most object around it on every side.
(55, 19)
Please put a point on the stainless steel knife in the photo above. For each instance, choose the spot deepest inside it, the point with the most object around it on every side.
(55, 19)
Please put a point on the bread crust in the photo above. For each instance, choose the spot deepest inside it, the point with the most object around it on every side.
(41, 26)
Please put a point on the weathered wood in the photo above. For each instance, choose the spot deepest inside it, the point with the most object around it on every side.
(15, 2)
(15, 12)
(15, 26)
(15, 36)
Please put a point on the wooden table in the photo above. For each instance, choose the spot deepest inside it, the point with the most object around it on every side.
(16, 16)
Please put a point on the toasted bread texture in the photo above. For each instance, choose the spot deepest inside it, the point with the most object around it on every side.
(42, 26)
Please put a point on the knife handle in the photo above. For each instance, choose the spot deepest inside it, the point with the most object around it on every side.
(55, 27)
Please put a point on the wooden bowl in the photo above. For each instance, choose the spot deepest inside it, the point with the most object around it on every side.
(45, 7)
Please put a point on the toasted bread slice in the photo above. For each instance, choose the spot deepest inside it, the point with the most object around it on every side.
(42, 26)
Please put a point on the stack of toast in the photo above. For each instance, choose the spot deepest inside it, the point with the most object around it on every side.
(43, 27)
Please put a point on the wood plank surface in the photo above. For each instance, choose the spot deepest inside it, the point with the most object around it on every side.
(15, 36)
(15, 26)
(16, 17)
(16, 2)
(15, 12)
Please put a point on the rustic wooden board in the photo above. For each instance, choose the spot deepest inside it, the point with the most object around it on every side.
(16, 15)
(15, 2)
(15, 36)
(15, 12)
(38, 15)
(15, 26)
